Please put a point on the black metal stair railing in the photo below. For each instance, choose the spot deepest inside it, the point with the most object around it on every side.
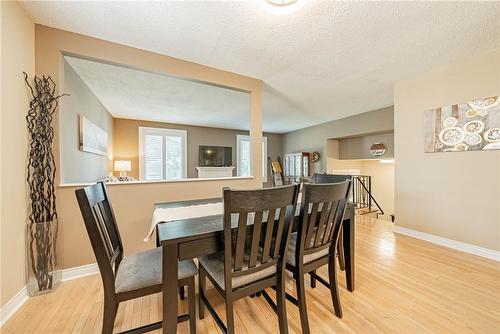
(362, 195)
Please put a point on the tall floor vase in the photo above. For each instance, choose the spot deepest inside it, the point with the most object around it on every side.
(43, 274)
(42, 224)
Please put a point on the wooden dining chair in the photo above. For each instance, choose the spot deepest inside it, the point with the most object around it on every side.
(257, 225)
(314, 243)
(320, 178)
(131, 276)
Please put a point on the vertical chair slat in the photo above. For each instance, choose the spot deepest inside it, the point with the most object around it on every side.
(240, 240)
(311, 225)
(269, 235)
(102, 234)
(330, 222)
(325, 213)
(335, 213)
(108, 221)
(279, 232)
(254, 250)
(105, 229)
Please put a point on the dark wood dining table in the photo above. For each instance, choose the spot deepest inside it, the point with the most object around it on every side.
(195, 237)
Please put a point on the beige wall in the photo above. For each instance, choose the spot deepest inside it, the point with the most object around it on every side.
(78, 166)
(359, 147)
(17, 55)
(133, 203)
(126, 142)
(454, 195)
(315, 138)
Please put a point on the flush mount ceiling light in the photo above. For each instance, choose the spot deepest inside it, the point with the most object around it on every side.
(282, 7)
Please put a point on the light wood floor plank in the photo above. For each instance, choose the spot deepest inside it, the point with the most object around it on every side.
(403, 285)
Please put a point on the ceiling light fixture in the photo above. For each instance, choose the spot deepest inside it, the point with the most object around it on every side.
(282, 7)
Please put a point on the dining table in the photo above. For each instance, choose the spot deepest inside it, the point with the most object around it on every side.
(203, 235)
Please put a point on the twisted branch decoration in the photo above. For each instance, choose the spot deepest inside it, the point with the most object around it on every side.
(41, 171)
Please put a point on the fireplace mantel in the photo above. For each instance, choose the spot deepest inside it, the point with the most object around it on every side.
(212, 172)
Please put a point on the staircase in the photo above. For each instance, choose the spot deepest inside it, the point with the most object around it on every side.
(362, 196)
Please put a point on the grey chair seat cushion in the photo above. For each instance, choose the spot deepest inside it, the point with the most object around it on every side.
(144, 269)
(290, 258)
(214, 265)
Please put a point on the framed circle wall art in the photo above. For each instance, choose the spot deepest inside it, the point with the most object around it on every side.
(469, 126)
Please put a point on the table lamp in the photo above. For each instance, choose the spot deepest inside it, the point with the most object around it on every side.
(123, 166)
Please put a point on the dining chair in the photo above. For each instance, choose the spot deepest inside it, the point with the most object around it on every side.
(126, 277)
(314, 243)
(257, 226)
(319, 178)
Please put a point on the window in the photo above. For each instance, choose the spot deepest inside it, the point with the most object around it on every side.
(162, 154)
(244, 154)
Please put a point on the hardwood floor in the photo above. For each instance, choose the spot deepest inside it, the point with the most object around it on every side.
(403, 285)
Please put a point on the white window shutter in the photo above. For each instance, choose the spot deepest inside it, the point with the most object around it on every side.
(174, 157)
(162, 154)
(153, 157)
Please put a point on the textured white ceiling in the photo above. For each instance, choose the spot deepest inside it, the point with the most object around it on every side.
(326, 61)
(130, 93)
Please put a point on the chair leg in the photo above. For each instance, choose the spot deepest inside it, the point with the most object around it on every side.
(229, 316)
(340, 251)
(192, 306)
(108, 321)
(313, 279)
(281, 304)
(182, 293)
(201, 287)
(301, 297)
(334, 288)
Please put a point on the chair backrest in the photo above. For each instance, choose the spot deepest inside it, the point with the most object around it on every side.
(102, 230)
(330, 178)
(322, 211)
(257, 225)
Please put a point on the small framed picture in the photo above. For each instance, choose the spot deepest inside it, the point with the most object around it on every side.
(92, 138)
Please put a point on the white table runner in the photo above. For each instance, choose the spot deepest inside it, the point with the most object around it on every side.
(184, 212)
(190, 211)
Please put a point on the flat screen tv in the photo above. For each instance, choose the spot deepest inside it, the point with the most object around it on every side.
(215, 156)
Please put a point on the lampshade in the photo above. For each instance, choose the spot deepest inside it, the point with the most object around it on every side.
(123, 166)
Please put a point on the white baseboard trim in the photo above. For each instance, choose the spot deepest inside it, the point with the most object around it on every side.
(77, 272)
(21, 297)
(13, 305)
(457, 245)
